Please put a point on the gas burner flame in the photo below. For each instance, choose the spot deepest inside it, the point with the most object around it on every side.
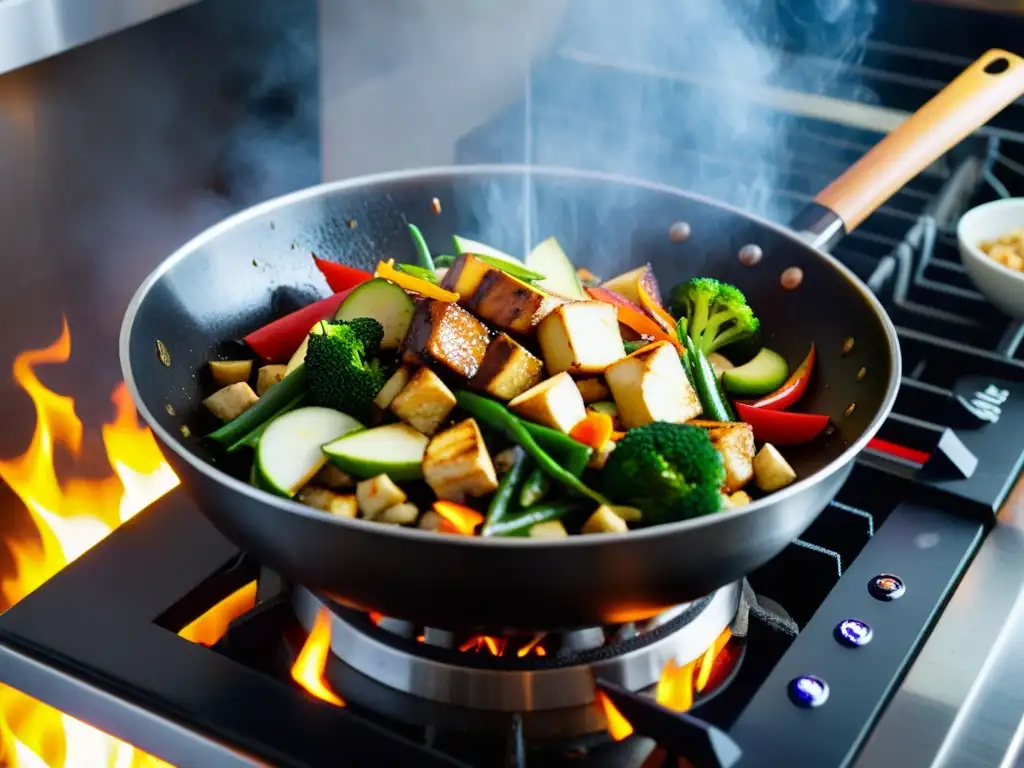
(71, 515)
(308, 669)
(676, 687)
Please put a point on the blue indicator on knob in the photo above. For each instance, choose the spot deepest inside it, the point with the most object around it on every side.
(808, 691)
(853, 633)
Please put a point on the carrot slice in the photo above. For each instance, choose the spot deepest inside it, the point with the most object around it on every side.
(425, 288)
(462, 518)
(595, 429)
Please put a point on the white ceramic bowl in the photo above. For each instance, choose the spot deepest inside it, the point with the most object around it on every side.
(1003, 286)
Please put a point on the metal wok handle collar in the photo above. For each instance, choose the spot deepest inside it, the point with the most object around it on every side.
(979, 93)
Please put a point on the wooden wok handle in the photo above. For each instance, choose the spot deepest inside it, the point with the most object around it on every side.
(980, 92)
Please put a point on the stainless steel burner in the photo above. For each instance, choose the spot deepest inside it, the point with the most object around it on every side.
(404, 666)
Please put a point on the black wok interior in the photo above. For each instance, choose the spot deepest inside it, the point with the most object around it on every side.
(250, 269)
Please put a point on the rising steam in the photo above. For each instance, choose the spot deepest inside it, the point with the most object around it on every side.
(673, 91)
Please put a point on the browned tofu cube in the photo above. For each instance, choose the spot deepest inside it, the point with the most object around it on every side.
(457, 464)
(228, 372)
(497, 297)
(446, 334)
(735, 443)
(651, 385)
(508, 369)
(593, 390)
(231, 401)
(554, 403)
(582, 337)
(424, 403)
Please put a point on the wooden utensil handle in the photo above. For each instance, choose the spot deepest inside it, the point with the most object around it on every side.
(980, 92)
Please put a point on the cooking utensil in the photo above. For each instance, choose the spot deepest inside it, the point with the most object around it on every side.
(1003, 286)
(222, 284)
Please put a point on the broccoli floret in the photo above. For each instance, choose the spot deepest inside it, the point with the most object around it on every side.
(668, 471)
(341, 370)
(716, 313)
(368, 331)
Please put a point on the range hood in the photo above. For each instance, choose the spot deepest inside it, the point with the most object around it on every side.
(31, 30)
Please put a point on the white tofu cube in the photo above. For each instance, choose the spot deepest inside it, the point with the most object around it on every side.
(268, 376)
(604, 520)
(651, 385)
(424, 403)
(232, 401)
(553, 529)
(555, 403)
(392, 387)
(457, 464)
(581, 337)
(340, 504)
(771, 470)
(400, 514)
(377, 494)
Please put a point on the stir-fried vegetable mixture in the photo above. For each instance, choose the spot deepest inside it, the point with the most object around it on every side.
(481, 395)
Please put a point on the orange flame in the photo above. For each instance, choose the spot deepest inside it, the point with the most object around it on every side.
(619, 727)
(70, 516)
(675, 689)
(308, 669)
(212, 625)
(677, 684)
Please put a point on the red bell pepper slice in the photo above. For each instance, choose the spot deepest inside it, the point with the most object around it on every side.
(275, 342)
(339, 276)
(781, 427)
(793, 388)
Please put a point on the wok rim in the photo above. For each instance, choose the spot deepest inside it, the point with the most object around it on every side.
(425, 175)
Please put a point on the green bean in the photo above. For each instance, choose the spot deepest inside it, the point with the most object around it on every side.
(569, 453)
(520, 524)
(498, 417)
(263, 410)
(535, 487)
(423, 257)
(711, 397)
(501, 501)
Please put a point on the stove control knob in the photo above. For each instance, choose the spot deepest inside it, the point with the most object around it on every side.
(808, 691)
(886, 587)
(853, 633)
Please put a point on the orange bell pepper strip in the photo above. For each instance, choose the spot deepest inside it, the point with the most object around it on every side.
(632, 316)
(462, 518)
(655, 310)
(595, 429)
(424, 288)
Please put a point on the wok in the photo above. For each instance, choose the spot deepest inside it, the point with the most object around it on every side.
(224, 282)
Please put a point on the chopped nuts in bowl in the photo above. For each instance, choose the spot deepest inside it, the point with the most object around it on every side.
(991, 238)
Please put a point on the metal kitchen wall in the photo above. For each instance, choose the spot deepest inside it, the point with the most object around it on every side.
(116, 152)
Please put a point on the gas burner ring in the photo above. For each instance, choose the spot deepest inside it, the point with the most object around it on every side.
(517, 690)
